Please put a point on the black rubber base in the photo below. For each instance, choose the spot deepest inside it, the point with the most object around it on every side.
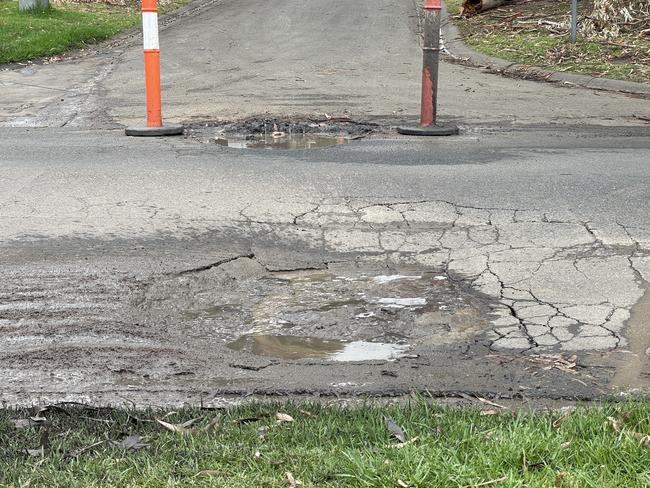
(165, 130)
(431, 130)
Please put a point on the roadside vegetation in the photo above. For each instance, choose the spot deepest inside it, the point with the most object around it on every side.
(64, 26)
(610, 44)
(290, 445)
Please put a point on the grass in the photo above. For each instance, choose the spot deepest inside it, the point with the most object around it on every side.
(65, 26)
(511, 32)
(329, 447)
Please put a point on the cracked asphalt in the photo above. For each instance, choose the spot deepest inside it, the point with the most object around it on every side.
(512, 261)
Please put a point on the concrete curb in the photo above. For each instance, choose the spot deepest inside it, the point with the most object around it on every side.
(457, 49)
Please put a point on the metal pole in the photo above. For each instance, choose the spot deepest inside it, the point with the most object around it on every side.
(430, 62)
(574, 20)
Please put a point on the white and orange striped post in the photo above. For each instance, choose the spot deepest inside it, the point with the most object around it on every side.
(151, 43)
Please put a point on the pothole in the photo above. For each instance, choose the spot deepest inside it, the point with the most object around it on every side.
(281, 141)
(348, 312)
(292, 347)
(285, 134)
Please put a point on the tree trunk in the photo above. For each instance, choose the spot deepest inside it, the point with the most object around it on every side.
(28, 5)
(473, 7)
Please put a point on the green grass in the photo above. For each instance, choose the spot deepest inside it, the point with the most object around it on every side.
(502, 33)
(29, 35)
(330, 446)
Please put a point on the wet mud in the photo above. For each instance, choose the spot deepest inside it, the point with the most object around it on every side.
(345, 304)
(169, 324)
(633, 373)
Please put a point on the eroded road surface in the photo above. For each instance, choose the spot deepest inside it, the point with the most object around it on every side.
(174, 271)
(512, 261)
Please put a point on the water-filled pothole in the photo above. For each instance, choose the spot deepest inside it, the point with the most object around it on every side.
(282, 141)
(279, 133)
(346, 310)
(294, 347)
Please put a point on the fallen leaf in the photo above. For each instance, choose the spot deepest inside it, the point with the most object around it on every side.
(400, 445)
(489, 412)
(558, 422)
(131, 443)
(491, 403)
(565, 445)
(618, 423)
(213, 423)
(79, 452)
(402, 484)
(20, 423)
(490, 482)
(262, 431)
(183, 428)
(560, 476)
(29, 422)
(210, 472)
(305, 412)
(292, 482)
(247, 420)
(283, 417)
(395, 430)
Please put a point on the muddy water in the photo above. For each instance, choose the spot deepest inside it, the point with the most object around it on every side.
(632, 375)
(284, 141)
(316, 313)
(291, 347)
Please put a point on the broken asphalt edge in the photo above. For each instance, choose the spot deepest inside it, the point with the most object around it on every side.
(455, 46)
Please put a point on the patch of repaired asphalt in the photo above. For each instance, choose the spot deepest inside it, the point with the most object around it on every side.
(414, 296)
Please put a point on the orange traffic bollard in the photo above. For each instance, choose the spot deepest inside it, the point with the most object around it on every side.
(154, 126)
(431, 60)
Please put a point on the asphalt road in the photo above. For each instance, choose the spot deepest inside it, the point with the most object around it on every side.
(227, 59)
(511, 261)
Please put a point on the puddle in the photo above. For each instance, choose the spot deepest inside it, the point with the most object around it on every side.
(630, 374)
(334, 304)
(284, 313)
(293, 347)
(383, 279)
(304, 276)
(282, 141)
(402, 302)
(211, 312)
